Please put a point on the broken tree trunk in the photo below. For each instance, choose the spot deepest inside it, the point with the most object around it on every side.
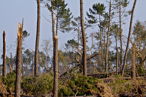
(18, 61)
(56, 74)
(4, 54)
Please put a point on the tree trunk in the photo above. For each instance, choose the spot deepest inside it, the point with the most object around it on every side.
(107, 45)
(37, 39)
(127, 47)
(18, 61)
(117, 60)
(11, 63)
(4, 54)
(22, 65)
(53, 30)
(84, 39)
(57, 24)
(121, 55)
(101, 47)
(32, 63)
(56, 74)
(133, 62)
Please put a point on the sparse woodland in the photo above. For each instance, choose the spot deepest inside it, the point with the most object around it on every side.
(104, 63)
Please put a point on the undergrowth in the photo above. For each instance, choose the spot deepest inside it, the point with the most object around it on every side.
(76, 84)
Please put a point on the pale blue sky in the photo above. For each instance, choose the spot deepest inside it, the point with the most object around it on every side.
(12, 11)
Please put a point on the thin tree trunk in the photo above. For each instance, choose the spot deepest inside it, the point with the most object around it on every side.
(32, 63)
(4, 54)
(37, 38)
(133, 62)
(117, 60)
(11, 63)
(84, 39)
(127, 47)
(57, 24)
(107, 45)
(101, 47)
(53, 31)
(56, 74)
(121, 52)
(22, 65)
(18, 62)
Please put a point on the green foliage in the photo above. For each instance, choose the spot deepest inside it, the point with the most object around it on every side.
(66, 91)
(71, 43)
(63, 15)
(97, 9)
(25, 34)
(10, 80)
(81, 84)
(38, 85)
(124, 3)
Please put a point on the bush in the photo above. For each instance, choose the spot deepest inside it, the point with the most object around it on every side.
(38, 85)
(10, 80)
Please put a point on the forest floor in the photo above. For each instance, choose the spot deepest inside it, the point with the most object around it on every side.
(112, 86)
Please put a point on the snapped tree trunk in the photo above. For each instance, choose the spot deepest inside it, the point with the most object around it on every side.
(84, 39)
(127, 47)
(133, 62)
(107, 45)
(56, 74)
(4, 54)
(18, 61)
(37, 39)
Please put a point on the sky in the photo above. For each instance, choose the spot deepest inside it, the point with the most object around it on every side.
(13, 11)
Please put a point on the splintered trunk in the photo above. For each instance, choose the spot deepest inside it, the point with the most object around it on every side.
(107, 45)
(133, 62)
(121, 52)
(56, 74)
(127, 47)
(37, 39)
(4, 54)
(18, 61)
(84, 39)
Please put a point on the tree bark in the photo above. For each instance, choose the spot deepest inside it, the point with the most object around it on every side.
(117, 60)
(107, 45)
(127, 47)
(84, 39)
(121, 52)
(56, 74)
(4, 54)
(32, 63)
(133, 62)
(11, 63)
(37, 39)
(18, 62)
(53, 31)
